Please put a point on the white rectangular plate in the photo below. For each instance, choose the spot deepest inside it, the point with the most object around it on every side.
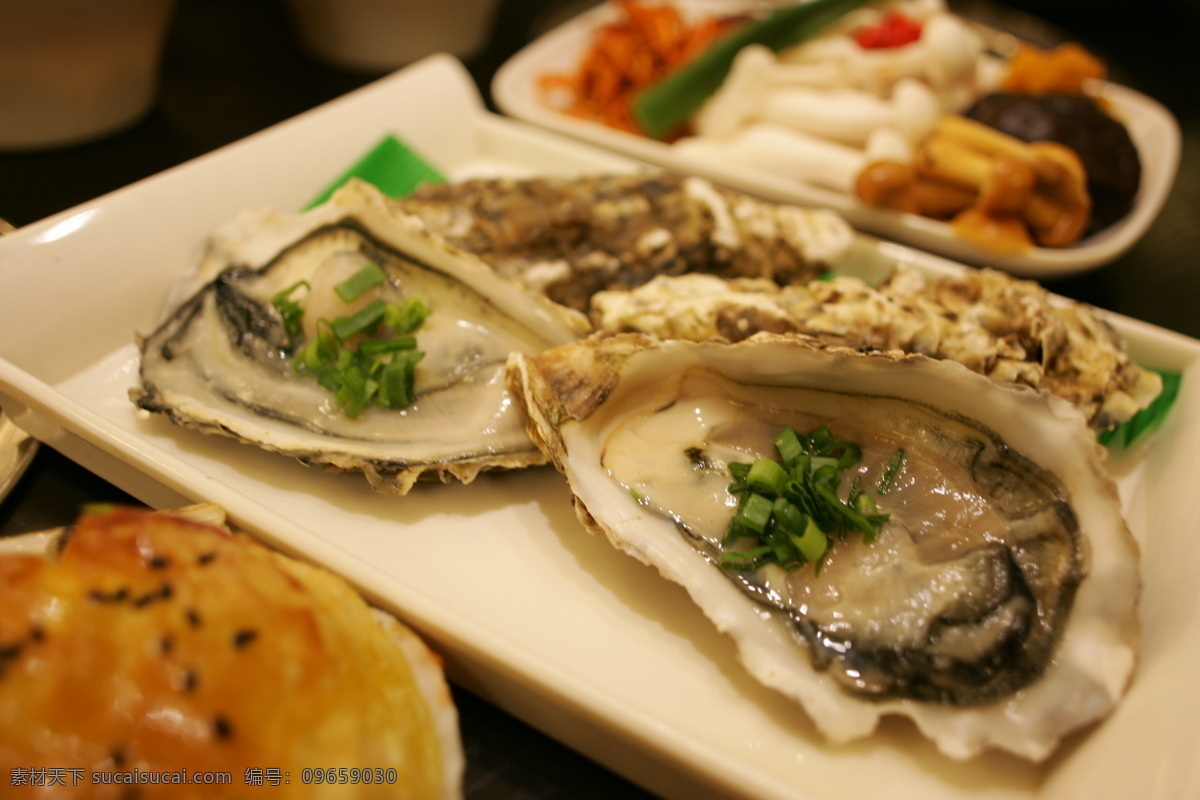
(1154, 131)
(547, 621)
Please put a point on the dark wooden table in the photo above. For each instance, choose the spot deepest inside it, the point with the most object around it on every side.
(233, 67)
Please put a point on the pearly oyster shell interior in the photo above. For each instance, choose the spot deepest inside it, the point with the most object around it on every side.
(221, 362)
(996, 608)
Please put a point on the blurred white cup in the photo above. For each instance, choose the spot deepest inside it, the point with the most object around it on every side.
(382, 35)
(76, 70)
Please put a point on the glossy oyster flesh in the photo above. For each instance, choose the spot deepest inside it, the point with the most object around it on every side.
(996, 607)
(222, 362)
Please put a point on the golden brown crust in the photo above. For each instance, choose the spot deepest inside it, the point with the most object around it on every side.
(160, 644)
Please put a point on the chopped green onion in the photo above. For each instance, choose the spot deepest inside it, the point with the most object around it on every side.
(290, 310)
(754, 513)
(406, 316)
(788, 515)
(397, 382)
(354, 391)
(819, 441)
(766, 476)
(378, 347)
(844, 454)
(889, 474)
(360, 282)
(789, 509)
(739, 471)
(813, 543)
(376, 371)
(362, 321)
(320, 350)
(864, 503)
(745, 559)
(788, 445)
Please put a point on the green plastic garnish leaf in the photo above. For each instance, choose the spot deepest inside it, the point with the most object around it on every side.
(391, 166)
(1149, 418)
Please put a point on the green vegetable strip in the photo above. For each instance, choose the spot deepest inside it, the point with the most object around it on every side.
(664, 106)
(362, 281)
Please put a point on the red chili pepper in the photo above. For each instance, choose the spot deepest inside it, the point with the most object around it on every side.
(894, 30)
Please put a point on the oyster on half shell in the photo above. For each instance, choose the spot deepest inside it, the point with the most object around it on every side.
(222, 360)
(996, 607)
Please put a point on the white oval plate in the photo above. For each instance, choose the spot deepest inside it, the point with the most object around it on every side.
(1154, 131)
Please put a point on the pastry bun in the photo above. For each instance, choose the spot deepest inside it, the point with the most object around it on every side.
(161, 650)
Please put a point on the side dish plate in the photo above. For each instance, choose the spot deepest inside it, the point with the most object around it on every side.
(1153, 129)
(528, 610)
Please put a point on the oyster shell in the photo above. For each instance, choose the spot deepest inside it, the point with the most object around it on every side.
(1008, 329)
(996, 608)
(221, 362)
(571, 237)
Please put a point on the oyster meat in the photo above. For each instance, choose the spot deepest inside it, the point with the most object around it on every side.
(1008, 329)
(571, 237)
(997, 604)
(222, 362)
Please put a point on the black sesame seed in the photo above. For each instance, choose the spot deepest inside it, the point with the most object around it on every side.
(117, 756)
(163, 592)
(205, 558)
(36, 634)
(222, 729)
(244, 637)
(158, 562)
(10, 651)
(167, 644)
(190, 681)
(115, 596)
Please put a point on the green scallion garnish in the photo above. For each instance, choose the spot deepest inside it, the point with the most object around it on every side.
(789, 509)
(290, 310)
(360, 282)
(362, 321)
(889, 474)
(364, 358)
